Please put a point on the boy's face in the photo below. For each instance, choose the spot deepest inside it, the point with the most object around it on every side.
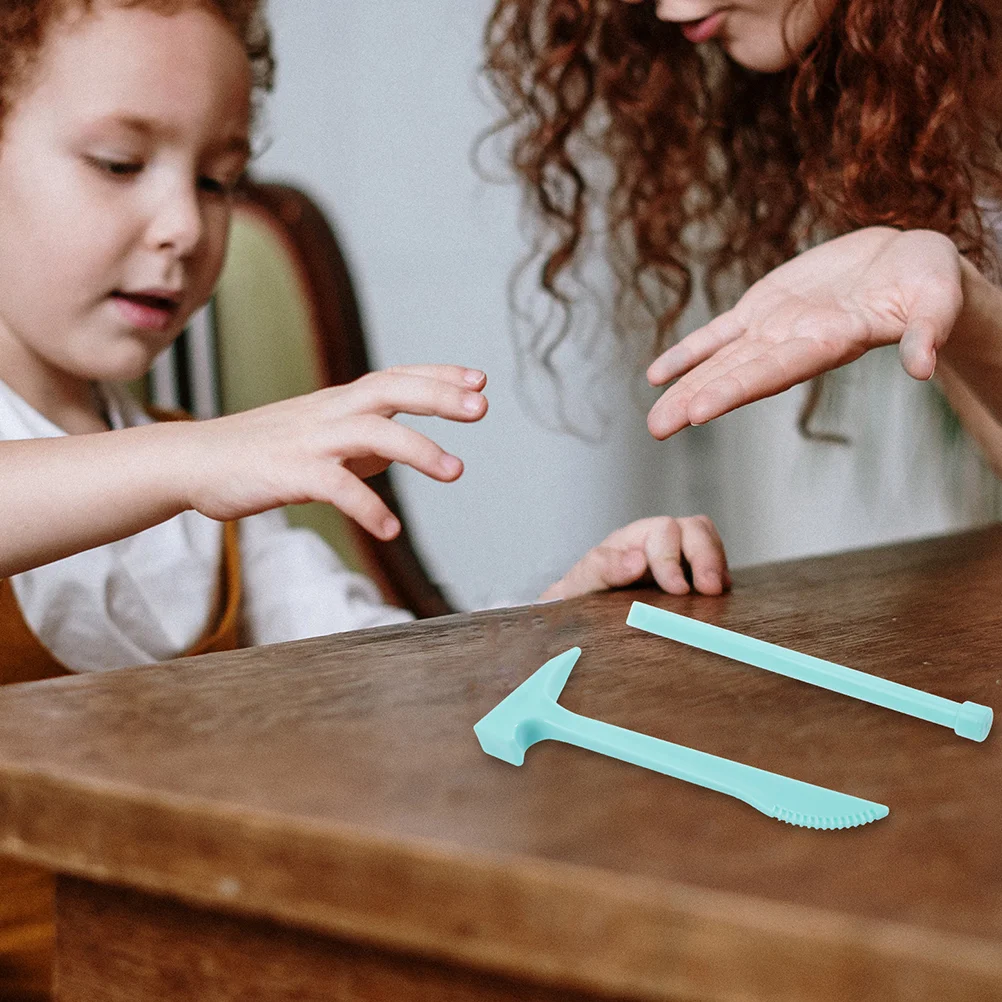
(116, 161)
(757, 34)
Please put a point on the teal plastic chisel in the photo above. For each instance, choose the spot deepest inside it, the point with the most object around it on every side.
(969, 720)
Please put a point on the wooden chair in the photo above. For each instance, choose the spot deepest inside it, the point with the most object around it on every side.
(285, 320)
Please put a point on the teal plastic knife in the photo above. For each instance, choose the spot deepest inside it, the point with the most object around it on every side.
(531, 713)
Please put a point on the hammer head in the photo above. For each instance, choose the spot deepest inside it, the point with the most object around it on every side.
(512, 726)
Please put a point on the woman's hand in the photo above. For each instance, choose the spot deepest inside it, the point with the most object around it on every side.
(653, 548)
(320, 447)
(826, 307)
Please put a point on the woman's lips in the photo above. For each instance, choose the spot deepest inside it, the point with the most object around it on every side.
(143, 312)
(703, 31)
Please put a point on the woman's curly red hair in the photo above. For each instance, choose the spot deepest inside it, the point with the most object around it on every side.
(23, 24)
(888, 118)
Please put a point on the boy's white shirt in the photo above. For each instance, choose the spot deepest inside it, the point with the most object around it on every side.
(148, 597)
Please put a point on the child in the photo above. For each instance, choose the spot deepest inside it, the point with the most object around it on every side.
(124, 127)
(741, 134)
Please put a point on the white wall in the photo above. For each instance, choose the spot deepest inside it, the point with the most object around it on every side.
(375, 113)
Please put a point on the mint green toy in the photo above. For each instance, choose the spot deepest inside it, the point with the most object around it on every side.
(531, 713)
(969, 720)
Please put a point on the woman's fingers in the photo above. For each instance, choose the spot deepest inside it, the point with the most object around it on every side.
(820, 310)
(695, 348)
(755, 367)
(934, 296)
(671, 412)
(932, 311)
(917, 350)
(927, 328)
(762, 375)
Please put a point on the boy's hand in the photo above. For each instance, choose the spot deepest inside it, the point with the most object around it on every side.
(321, 446)
(655, 548)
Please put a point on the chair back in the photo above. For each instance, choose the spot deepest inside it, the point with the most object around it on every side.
(285, 321)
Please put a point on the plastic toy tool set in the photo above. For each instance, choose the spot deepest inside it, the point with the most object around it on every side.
(531, 713)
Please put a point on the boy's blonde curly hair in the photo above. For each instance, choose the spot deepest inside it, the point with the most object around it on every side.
(24, 23)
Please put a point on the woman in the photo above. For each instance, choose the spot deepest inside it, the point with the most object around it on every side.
(861, 135)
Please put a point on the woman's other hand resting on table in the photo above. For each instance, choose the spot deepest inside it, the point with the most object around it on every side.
(655, 550)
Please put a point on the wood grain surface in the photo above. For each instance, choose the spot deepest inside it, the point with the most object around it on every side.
(335, 785)
(124, 946)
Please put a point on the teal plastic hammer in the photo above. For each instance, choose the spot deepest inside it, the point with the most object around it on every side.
(531, 713)
(969, 720)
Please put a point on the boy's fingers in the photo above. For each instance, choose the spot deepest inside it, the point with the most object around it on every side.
(458, 375)
(348, 494)
(663, 548)
(368, 435)
(703, 548)
(655, 545)
(388, 394)
(599, 569)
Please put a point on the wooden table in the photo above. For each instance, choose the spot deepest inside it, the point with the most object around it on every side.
(316, 820)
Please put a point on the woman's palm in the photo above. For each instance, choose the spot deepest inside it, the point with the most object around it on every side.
(819, 311)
